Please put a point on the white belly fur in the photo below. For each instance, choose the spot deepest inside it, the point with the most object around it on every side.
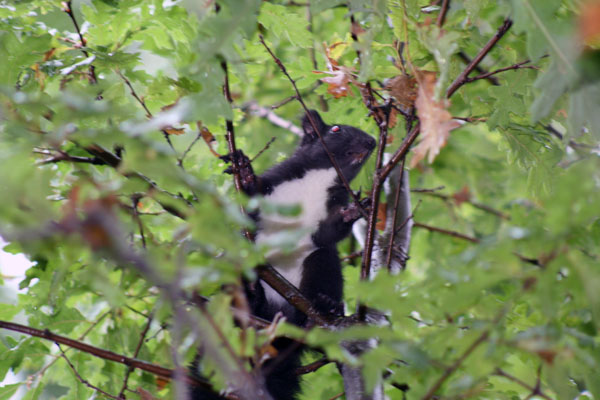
(310, 192)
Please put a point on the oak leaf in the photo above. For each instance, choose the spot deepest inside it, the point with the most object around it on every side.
(338, 84)
(403, 88)
(436, 121)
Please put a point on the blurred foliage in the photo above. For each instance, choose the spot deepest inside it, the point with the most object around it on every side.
(529, 151)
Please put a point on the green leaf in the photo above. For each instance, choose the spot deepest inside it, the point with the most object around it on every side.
(282, 23)
(7, 391)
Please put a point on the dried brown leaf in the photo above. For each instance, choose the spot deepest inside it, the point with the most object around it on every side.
(547, 355)
(209, 138)
(589, 22)
(338, 84)
(173, 131)
(48, 55)
(436, 121)
(462, 196)
(403, 88)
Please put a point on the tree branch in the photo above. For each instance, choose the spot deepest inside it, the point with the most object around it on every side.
(446, 232)
(516, 66)
(230, 137)
(291, 294)
(95, 351)
(462, 78)
(443, 11)
(312, 367)
(534, 390)
(450, 370)
(480, 206)
(148, 113)
(273, 118)
(377, 185)
(492, 79)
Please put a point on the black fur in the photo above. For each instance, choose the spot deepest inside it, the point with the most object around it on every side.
(321, 281)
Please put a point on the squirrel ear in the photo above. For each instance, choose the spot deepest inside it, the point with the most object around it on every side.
(307, 126)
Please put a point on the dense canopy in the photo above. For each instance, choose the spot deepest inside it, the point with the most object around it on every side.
(113, 115)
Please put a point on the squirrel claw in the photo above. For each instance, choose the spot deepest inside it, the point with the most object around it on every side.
(241, 164)
(352, 212)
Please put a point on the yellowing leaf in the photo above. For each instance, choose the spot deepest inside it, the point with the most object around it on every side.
(436, 121)
(209, 138)
(173, 131)
(341, 77)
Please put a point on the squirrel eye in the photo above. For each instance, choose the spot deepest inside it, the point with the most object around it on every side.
(335, 128)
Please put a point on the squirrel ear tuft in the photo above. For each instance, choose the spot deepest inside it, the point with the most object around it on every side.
(309, 131)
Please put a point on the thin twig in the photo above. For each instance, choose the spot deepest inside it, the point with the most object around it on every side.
(512, 378)
(446, 232)
(148, 113)
(480, 206)
(450, 370)
(388, 258)
(95, 351)
(443, 11)
(273, 118)
(135, 354)
(516, 66)
(314, 126)
(62, 156)
(313, 57)
(222, 338)
(283, 102)
(427, 190)
(312, 367)
(86, 383)
(491, 79)
(92, 71)
(265, 148)
(410, 217)
(352, 256)
(462, 78)
(187, 150)
(230, 137)
(400, 153)
(81, 337)
(376, 189)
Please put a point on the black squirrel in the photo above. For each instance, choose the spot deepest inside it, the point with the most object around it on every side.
(307, 178)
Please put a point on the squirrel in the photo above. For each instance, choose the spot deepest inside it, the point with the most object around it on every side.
(309, 179)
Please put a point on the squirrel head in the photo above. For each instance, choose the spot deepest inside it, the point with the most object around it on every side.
(349, 145)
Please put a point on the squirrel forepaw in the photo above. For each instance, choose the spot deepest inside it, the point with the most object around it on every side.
(352, 212)
(240, 162)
